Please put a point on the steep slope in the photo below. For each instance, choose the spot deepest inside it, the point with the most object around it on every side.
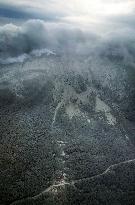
(63, 139)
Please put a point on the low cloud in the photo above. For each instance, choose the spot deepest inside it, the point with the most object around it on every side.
(66, 38)
(15, 40)
(36, 34)
(108, 53)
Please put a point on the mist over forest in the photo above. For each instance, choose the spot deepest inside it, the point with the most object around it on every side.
(67, 102)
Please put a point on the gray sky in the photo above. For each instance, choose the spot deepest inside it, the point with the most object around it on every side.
(71, 10)
(64, 24)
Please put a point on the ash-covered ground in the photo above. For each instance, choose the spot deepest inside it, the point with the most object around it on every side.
(67, 131)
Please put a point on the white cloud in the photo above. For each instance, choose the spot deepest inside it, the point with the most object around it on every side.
(89, 8)
(79, 32)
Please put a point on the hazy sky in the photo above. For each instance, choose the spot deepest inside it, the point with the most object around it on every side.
(67, 26)
(72, 9)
